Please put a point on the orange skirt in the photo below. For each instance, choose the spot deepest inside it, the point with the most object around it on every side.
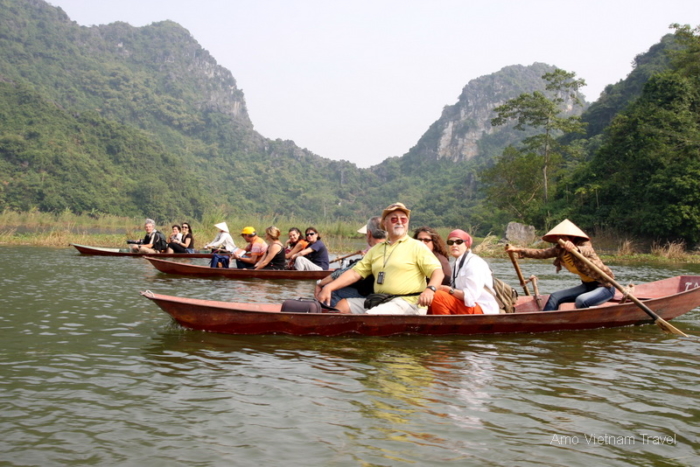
(446, 304)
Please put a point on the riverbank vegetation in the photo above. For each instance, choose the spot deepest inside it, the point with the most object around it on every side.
(60, 230)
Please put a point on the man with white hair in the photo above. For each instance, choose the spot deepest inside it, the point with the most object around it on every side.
(400, 266)
(154, 241)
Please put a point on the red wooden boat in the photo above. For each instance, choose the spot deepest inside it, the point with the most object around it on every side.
(186, 269)
(669, 298)
(102, 251)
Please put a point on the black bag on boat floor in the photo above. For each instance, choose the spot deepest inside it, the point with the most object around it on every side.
(306, 305)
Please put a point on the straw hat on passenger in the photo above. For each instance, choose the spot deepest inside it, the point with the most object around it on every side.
(396, 207)
(222, 226)
(565, 229)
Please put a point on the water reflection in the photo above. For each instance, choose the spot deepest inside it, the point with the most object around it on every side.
(91, 373)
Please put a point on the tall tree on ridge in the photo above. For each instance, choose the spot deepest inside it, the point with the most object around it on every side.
(537, 110)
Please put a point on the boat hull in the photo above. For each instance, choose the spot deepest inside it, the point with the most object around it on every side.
(186, 269)
(669, 298)
(102, 251)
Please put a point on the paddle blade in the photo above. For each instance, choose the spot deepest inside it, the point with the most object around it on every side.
(668, 327)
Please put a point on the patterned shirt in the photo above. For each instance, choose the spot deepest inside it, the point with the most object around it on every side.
(583, 270)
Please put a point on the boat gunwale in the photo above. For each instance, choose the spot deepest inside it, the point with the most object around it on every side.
(251, 321)
(167, 266)
(88, 250)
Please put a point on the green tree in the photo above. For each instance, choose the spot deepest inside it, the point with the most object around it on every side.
(686, 59)
(645, 177)
(512, 187)
(545, 113)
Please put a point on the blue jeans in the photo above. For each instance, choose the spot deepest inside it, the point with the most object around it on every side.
(585, 295)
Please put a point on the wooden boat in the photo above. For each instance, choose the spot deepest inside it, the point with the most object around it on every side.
(669, 298)
(186, 269)
(101, 251)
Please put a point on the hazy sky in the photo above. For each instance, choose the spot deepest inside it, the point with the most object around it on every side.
(362, 80)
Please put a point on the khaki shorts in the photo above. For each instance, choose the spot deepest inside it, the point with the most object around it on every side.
(397, 306)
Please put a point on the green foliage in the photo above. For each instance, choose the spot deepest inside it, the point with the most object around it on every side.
(56, 161)
(512, 186)
(128, 120)
(521, 174)
(616, 97)
(645, 177)
(686, 58)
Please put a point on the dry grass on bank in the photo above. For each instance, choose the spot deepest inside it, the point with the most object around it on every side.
(59, 230)
(609, 246)
(670, 250)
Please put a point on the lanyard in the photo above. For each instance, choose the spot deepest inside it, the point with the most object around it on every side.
(386, 260)
(461, 264)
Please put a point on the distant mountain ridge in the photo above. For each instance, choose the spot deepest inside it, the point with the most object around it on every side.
(462, 125)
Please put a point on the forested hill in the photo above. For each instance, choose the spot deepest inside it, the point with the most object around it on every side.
(80, 103)
(143, 121)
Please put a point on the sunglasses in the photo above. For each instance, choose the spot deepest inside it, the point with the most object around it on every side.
(396, 220)
(425, 240)
(309, 234)
(459, 241)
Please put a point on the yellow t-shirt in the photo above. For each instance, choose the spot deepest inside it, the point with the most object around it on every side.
(568, 261)
(406, 263)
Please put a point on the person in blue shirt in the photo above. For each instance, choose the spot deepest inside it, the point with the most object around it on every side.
(315, 256)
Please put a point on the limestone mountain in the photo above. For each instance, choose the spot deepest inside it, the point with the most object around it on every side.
(143, 121)
(464, 130)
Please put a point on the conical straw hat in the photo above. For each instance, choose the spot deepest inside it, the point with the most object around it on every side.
(222, 226)
(565, 228)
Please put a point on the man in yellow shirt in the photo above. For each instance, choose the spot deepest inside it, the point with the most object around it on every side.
(400, 267)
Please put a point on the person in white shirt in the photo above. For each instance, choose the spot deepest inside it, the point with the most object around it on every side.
(223, 240)
(176, 235)
(467, 294)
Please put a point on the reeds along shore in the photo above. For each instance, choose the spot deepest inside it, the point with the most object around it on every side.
(59, 230)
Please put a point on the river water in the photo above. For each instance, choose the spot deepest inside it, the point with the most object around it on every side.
(91, 373)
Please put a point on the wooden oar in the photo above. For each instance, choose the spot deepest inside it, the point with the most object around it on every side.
(358, 252)
(538, 299)
(518, 271)
(658, 320)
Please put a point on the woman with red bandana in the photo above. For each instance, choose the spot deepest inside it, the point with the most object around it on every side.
(470, 285)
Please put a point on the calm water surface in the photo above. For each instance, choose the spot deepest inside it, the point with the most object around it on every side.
(91, 373)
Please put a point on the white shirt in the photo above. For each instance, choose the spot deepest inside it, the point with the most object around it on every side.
(471, 278)
(223, 239)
